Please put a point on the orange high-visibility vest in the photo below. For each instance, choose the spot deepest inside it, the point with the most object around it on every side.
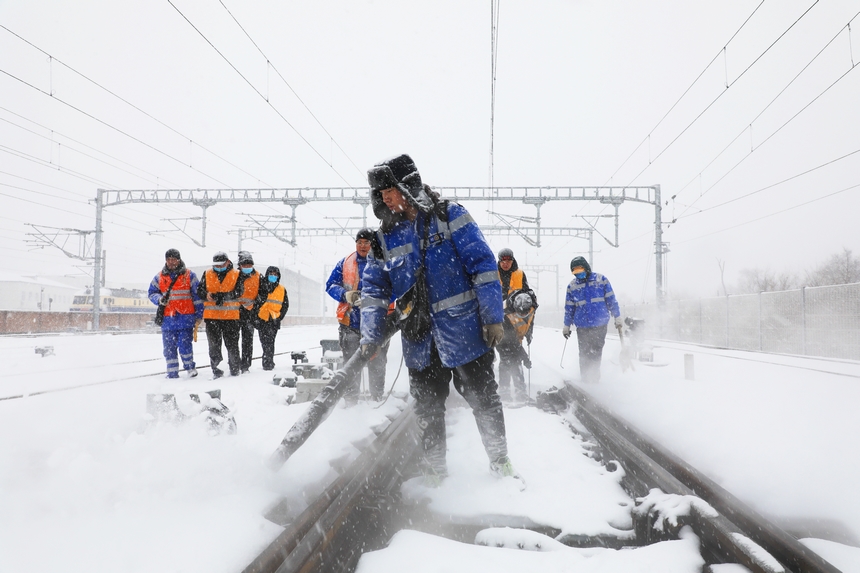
(249, 292)
(271, 309)
(180, 296)
(230, 309)
(516, 281)
(350, 282)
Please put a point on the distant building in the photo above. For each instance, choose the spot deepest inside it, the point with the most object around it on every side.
(19, 292)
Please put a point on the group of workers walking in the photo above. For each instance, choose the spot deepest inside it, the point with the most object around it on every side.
(231, 302)
(456, 303)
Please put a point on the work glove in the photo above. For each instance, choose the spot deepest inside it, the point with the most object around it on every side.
(493, 334)
(369, 350)
(618, 322)
(353, 297)
(527, 362)
(164, 300)
(219, 298)
(566, 331)
(529, 339)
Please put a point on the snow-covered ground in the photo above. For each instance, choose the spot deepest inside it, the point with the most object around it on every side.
(88, 482)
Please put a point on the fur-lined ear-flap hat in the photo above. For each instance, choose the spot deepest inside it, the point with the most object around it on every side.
(399, 172)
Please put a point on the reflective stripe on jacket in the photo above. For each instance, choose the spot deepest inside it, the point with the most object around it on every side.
(272, 308)
(590, 303)
(230, 309)
(462, 282)
(180, 295)
(250, 288)
(184, 307)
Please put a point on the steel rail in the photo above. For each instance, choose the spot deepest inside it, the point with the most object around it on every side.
(331, 533)
(652, 460)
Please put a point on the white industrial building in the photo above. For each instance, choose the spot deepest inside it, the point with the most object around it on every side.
(19, 292)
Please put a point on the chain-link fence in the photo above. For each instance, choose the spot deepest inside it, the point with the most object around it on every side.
(812, 321)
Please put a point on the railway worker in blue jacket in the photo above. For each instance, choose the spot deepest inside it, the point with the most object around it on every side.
(589, 305)
(344, 285)
(182, 309)
(433, 253)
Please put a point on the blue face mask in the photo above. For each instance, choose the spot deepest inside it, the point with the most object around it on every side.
(247, 271)
(272, 278)
(580, 276)
(219, 269)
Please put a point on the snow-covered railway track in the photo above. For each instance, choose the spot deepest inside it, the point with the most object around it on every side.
(730, 531)
(110, 378)
(362, 510)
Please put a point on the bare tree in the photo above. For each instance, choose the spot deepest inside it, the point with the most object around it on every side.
(840, 269)
(765, 280)
(722, 265)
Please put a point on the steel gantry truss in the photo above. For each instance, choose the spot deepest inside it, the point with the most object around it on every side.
(295, 197)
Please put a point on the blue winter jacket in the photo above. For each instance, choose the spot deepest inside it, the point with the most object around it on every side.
(334, 288)
(589, 302)
(462, 281)
(178, 321)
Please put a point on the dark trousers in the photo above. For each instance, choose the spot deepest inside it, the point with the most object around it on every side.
(228, 331)
(350, 340)
(268, 332)
(246, 331)
(591, 341)
(476, 383)
(510, 370)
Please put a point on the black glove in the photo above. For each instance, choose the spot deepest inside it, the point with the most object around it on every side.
(219, 298)
(527, 362)
(529, 339)
(164, 300)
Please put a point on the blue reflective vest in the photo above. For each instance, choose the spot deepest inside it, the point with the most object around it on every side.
(462, 281)
(590, 302)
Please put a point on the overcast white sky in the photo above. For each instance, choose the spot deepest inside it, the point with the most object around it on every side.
(581, 89)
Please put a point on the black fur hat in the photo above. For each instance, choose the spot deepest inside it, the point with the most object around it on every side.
(366, 233)
(399, 172)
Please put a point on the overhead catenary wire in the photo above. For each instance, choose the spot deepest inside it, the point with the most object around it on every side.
(771, 186)
(127, 102)
(259, 93)
(494, 40)
(286, 83)
(729, 85)
(722, 51)
(817, 199)
(111, 126)
(155, 177)
(773, 134)
(766, 107)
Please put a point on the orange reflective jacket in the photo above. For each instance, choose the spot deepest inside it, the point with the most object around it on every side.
(271, 309)
(230, 309)
(251, 286)
(180, 296)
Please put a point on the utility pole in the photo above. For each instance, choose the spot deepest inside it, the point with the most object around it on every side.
(97, 270)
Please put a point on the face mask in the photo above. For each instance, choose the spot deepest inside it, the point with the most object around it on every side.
(580, 276)
(219, 269)
(247, 271)
(272, 278)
